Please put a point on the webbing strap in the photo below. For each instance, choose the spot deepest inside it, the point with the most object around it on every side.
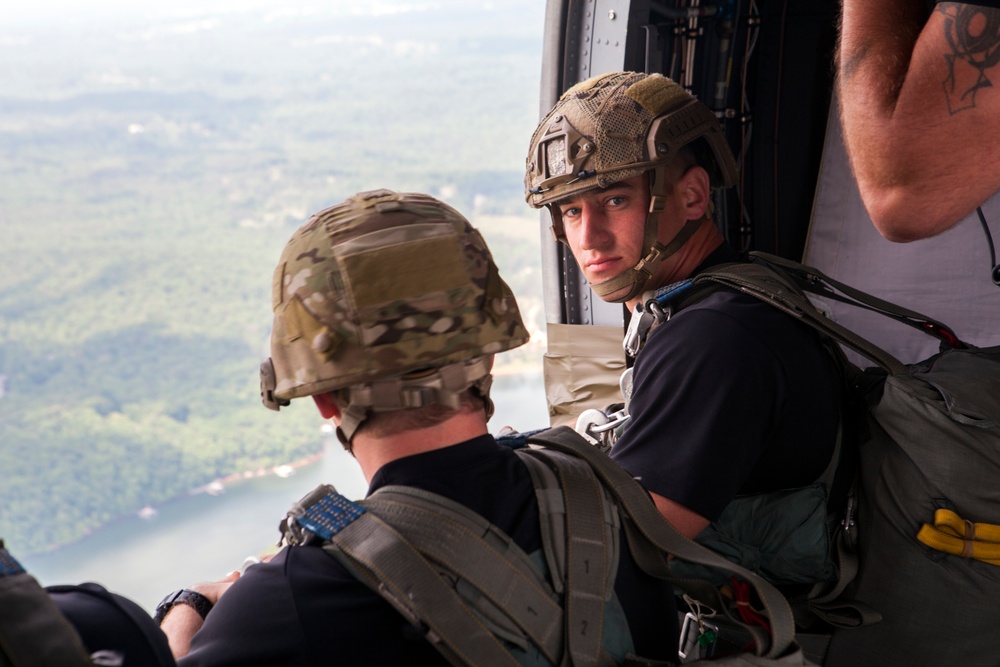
(827, 604)
(552, 516)
(812, 280)
(588, 581)
(954, 535)
(495, 576)
(652, 526)
(656, 253)
(391, 566)
(779, 290)
(401, 542)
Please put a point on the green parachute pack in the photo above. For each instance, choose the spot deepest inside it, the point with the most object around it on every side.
(916, 550)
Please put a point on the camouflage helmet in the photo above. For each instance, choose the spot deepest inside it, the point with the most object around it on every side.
(610, 128)
(392, 296)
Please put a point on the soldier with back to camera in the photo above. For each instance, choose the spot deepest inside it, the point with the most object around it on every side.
(388, 311)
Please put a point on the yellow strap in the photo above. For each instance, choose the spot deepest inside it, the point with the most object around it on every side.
(958, 537)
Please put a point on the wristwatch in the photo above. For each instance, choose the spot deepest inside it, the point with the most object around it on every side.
(196, 601)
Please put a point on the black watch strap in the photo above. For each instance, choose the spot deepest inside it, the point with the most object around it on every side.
(196, 601)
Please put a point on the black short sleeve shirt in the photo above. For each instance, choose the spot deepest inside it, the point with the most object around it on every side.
(304, 609)
(729, 396)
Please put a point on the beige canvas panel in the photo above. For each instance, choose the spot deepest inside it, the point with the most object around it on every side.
(582, 368)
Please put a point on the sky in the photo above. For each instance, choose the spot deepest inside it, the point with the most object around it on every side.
(14, 13)
(27, 14)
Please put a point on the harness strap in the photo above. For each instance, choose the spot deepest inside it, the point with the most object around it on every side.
(449, 571)
(651, 525)
(552, 516)
(383, 559)
(494, 575)
(779, 290)
(812, 280)
(781, 284)
(590, 579)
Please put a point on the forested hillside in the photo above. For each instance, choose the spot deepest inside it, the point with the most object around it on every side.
(150, 171)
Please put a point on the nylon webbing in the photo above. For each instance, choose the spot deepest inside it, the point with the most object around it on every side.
(385, 559)
(588, 583)
(472, 549)
(779, 291)
(650, 523)
(402, 540)
(812, 280)
(780, 283)
(552, 516)
(639, 274)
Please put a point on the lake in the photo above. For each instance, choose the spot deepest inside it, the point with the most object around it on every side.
(202, 537)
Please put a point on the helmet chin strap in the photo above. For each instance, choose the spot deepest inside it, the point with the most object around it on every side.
(637, 277)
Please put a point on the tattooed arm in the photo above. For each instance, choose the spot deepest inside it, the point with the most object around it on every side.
(920, 107)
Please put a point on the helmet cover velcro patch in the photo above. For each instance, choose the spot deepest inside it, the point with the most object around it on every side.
(400, 272)
(657, 94)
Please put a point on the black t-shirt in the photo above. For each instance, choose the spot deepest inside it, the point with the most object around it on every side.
(730, 396)
(303, 608)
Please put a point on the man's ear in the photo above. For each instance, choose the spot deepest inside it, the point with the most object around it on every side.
(695, 189)
(327, 406)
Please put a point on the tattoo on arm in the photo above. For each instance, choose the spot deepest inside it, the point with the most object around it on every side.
(973, 36)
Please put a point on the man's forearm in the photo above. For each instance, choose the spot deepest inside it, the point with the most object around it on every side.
(180, 625)
(919, 127)
(875, 51)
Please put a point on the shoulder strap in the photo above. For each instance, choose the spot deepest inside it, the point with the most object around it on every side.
(779, 290)
(493, 575)
(647, 523)
(401, 541)
(32, 629)
(385, 561)
(782, 283)
(811, 280)
(590, 552)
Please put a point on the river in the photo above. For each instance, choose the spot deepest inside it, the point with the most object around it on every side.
(202, 537)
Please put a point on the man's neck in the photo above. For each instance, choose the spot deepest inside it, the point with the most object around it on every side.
(682, 264)
(373, 452)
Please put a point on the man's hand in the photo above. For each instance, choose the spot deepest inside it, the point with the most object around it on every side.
(182, 622)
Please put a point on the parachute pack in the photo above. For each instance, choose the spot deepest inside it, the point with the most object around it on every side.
(918, 546)
(481, 601)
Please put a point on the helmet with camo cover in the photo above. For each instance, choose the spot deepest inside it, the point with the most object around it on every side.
(610, 128)
(392, 297)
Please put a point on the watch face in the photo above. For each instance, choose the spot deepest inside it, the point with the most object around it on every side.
(166, 603)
